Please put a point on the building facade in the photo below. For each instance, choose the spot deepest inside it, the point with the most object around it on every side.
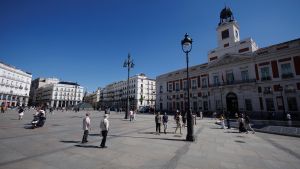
(55, 93)
(239, 77)
(142, 92)
(37, 83)
(14, 86)
(94, 98)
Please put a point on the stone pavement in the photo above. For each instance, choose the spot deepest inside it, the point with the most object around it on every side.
(133, 145)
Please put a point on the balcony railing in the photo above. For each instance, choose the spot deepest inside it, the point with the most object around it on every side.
(290, 90)
(268, 91)
(265, 78)
(287, 75)
(235, 82)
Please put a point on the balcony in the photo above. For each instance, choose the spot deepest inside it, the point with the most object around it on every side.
(235, 82)
(265, 78)
(268, 91)
(287, 75)
(290, 90)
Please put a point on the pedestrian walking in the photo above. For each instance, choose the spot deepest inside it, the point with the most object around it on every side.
(134, 115)
(241, 123)
(3, 107)
(222, 121)
(247, 124)
(201, 115)
(178, 119)
(228, 120)
(183, 120)
(158, 121)
(131, 115)
(104, 126)
(165, 122)
(194, 116)
(86, 126)
(21, 112)
(289, 119)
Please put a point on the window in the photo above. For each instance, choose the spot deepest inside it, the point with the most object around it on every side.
(229, 77)
(216, 80)
(286, 71)
(225, 34)
(184, 85)
(170, 87)
(270, 104)
(177, 86)
(292, 103)
(245, 75)
(160, 89)
(194, 84)
(265, 73)
(248, 104)
(204, 83)
(267, 90)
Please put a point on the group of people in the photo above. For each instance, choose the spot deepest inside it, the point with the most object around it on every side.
(132, 115)
(104, 126)
(179, 119)
(243, 121)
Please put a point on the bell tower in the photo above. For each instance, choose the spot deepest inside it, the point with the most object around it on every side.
(228, 29)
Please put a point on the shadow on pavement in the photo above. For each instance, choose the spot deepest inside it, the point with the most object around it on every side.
(87, 146)
(170, 139)
(67, 141)
(239, 141)
(95, 134)
(232, 132)
(28, 127)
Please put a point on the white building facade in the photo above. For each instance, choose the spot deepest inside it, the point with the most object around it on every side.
(239, 77)
(14, 86)
(142, 92)
(59, 94)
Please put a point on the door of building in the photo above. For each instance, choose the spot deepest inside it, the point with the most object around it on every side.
(232, 103)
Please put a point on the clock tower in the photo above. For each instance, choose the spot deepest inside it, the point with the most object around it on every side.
(228, 29)
(228, 34)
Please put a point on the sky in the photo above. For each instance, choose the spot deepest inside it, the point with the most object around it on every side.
(87, 41)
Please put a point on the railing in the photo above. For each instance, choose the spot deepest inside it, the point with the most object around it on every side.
(235, 82)
(290, 90)
(266, 78)
(287, 75)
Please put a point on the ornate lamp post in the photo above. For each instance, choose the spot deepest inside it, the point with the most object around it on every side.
(186, 45)
(129, 64)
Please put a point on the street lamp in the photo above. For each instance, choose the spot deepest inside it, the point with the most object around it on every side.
(280, 88)
(186, 45)
(129, 64)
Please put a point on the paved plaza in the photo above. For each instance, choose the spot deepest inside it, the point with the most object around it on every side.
(135, 145)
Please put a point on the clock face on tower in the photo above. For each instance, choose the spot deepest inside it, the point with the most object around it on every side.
(236, 34)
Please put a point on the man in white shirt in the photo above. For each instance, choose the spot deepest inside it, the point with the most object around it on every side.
(104, 124)
(86, 127)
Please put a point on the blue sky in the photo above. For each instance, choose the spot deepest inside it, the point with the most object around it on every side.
(88, 41)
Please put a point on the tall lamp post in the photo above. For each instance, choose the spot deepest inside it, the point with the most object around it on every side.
(129, 64)
(186, 45)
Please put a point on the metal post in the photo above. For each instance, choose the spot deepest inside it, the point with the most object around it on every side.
(127, 111)
(190, 126)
